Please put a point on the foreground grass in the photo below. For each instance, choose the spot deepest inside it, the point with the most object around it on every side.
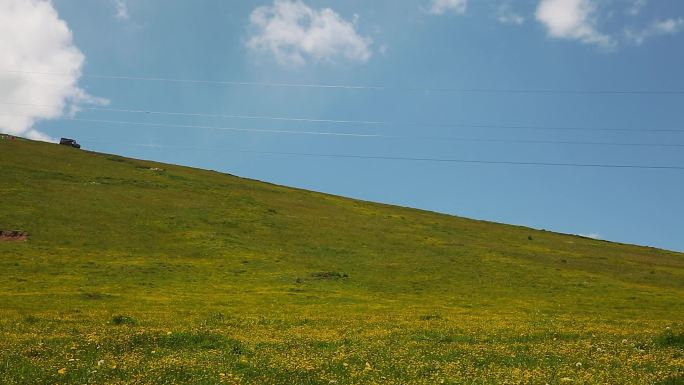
(388, 349)
(142, 273)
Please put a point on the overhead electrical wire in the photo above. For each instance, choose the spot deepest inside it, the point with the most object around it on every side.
(349, 121)
(370, 122)
(379, 136)
(362, 87)
(256, 130)
(414, 159)
(208, 115)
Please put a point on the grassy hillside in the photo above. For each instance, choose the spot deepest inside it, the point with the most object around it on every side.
(137, 272)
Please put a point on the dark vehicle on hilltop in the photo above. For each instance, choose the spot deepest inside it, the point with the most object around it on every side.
(69, 142)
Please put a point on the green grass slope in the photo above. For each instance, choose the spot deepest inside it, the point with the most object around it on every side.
(140, 272)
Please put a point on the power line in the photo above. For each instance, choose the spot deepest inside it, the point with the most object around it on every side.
(256, 130)
(378, 136)
(414, 159)
(362, 87)
(359, 122)
(209, 115)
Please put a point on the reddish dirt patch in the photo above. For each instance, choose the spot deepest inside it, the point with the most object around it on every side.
(13, 235)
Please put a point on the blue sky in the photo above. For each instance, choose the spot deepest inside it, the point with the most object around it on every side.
(410, 49)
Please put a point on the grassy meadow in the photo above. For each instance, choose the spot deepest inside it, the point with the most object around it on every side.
(137, 272)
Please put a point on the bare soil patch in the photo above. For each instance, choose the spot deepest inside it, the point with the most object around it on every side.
(13, 235)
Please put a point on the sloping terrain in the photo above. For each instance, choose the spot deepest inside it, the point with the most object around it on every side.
(140, 272)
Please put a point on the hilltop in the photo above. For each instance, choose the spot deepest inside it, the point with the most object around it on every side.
(171, 274)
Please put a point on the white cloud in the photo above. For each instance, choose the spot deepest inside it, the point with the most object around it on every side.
(572, 19)
(35, 39)
(296, 34)
(636, 6)
(440, 7)
(506, 15)
(122, 10)
(668, 26)
(658, 28)
(591, 235)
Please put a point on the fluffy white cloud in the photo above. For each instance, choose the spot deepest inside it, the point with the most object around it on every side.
(506, 15)
(35, 39)
(440, 7)
(572, 19)
(658, 28)
(122, 10)
(668, 26)
(295, 33)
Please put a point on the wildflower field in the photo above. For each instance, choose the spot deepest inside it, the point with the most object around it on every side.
(136, 272)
